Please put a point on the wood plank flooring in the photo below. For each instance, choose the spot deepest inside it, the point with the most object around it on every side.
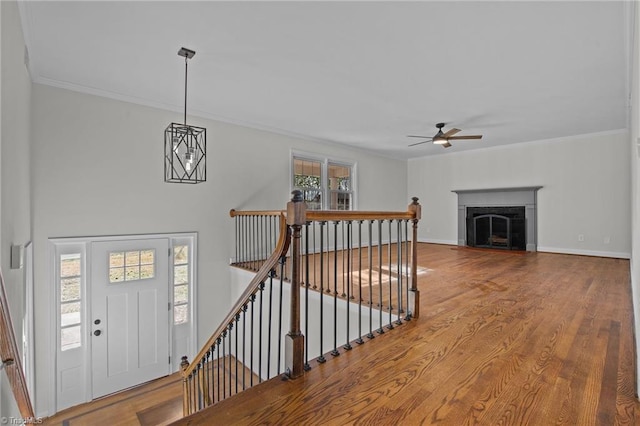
(156, 403)
(506, 338)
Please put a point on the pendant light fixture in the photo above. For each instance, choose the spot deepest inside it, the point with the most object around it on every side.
(185, 147)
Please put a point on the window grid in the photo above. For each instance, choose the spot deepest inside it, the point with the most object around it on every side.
(132, 265)
(325, 184)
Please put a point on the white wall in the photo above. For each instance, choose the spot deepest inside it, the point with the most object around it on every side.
(585, 190)
(98, 170)
(15, 202)
(634, 148)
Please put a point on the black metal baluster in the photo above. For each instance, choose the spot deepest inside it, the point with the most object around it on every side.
(251, 345)
(399, 271)
(405, 266)
(261, 287)
(343, 251)
(335, 290)
(321, 358)
(307, 366)
(370, 264)
(247, 222)
(348, 276)
(381, 329)
(209, 372)
(187, 390)
(243, 235)
(195, 390)
(283, 260)
(224, 366)
(236, 355)
(197, 386)
(256, 238)
(247, 237)
(244, 344)
(230, 327)
(272, 274)
(218, 367)
(359, 339)
(315, 246)
(389, 254)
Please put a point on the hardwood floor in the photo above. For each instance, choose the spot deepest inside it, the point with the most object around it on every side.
(156, 403)
(507, 338)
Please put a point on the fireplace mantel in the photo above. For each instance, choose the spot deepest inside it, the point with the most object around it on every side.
(508, 189)
(495, 197)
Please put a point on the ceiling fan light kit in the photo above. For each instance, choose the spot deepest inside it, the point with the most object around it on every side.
(443, 139)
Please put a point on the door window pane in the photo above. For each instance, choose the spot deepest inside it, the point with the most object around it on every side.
(132, 265)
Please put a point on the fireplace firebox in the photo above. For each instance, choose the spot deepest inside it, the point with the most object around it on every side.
(497, 227)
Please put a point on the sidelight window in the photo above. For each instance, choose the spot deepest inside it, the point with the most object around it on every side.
(181, 278)
(70, 278)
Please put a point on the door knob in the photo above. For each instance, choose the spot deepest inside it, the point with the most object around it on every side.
(97, 333)
(96, 322)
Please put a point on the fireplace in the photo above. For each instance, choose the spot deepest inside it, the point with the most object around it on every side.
(503, 218)
(496, 227)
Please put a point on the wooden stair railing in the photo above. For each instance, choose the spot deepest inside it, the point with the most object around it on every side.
(10, 358)
(315, 244)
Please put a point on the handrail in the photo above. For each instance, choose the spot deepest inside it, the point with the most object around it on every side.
(10, 358)
(328, 215)
(234, 212)
(281, 248)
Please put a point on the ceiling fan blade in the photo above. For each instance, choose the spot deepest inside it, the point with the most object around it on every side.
(450, 133)
(419, 143)
(446, 145)
(465, 137)
(416, 136)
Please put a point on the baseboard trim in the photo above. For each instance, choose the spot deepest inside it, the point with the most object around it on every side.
(434, 241)
(612, 254)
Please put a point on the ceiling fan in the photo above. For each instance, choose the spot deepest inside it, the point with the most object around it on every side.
(443, 139)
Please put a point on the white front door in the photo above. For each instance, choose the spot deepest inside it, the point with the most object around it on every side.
(129, 313)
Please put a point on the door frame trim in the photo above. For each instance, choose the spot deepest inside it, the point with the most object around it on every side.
(54, 293)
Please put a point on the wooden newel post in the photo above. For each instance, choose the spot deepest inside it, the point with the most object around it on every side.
(414, 293)
(294, 341)
(184, 364)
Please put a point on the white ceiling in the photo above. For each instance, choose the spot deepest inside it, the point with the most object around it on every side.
(365, 74)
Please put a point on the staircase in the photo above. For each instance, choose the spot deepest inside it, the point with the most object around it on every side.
(334, 279)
